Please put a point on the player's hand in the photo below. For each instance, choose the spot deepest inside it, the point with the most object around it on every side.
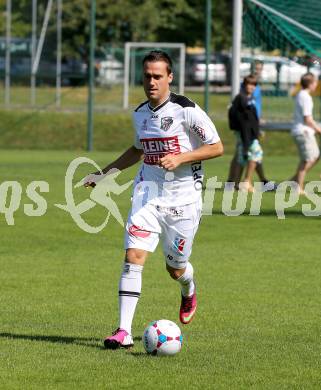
(170, 162)
(92, 179)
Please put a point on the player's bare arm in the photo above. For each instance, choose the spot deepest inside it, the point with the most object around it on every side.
(204, 152)
(311, 123)
(130, 157)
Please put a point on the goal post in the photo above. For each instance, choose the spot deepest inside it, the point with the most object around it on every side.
(152, 45)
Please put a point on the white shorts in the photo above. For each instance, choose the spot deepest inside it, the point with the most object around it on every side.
(176, 226)
(308, 146)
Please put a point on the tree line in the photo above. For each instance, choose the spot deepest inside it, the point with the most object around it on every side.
(118, 21)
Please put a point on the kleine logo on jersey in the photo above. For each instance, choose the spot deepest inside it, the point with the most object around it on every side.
(156, 148)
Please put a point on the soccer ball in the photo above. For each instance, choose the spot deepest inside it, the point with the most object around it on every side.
(162, 337)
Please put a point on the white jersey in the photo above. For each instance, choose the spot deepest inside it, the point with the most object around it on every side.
(303, 107)
(176, 126)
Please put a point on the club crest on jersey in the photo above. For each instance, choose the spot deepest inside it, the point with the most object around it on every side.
(166, 122)
(178, 245)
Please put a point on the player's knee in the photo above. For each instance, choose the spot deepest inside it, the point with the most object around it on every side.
(174, 273)
(135, 256)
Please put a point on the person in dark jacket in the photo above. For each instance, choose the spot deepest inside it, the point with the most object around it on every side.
(249, 151)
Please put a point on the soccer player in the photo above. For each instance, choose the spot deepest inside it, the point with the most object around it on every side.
(304, 129)
(173, 137)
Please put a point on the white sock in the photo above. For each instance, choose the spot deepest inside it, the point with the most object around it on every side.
(130, 286)
(186, 281)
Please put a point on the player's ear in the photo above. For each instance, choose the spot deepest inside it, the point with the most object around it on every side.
(170, 78)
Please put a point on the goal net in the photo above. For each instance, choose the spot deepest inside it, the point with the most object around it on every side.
(286, 37)
(134, 54)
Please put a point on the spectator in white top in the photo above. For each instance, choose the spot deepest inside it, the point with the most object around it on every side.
(304, 129)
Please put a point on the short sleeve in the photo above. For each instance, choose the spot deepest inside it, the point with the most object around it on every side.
(307, 105)
(137, 142)
(201, 125)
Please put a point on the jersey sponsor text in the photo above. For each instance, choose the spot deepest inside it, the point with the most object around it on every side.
(156, 148)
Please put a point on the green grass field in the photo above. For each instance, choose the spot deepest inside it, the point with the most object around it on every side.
(258, 321)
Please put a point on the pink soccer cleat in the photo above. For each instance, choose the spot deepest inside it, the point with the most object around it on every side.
(188, 309)
(119, 339)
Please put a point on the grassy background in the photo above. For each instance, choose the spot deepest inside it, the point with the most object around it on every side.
(67, 131)
(258, 321)
(47, 128)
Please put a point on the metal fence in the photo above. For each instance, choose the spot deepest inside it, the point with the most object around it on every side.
(37, 74)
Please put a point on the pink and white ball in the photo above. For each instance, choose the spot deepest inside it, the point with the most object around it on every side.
(162, 337)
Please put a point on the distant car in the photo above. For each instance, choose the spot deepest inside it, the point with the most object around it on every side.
(73, 72)
(110, 70)
(290, 71)
(196, 69)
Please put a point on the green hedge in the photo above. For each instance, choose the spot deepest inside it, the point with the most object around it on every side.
(112, 132)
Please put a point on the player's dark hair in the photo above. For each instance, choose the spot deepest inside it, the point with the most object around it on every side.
(250, 79)
(159, 55)
(307, 79)
(258, 62)
(255, 65)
